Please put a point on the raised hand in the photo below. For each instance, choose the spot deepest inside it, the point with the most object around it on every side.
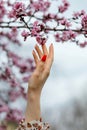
(43, 59)
(43, 66)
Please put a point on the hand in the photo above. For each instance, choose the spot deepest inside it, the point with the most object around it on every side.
(42, 70)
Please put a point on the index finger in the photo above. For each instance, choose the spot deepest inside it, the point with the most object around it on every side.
(51, 52)
(50, 58)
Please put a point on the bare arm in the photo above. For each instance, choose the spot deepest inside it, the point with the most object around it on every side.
(37, 81)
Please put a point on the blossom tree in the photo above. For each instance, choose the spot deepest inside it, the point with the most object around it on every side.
(32, 19)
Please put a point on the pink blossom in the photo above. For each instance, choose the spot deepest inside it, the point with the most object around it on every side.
(65, 36)
(84, 21)
(3, 107)
(36, 29)
(35, 24)
(3, 76)
(12, 35)
(12, 55)
(17, 10)
(14, 95)
(41, 40)
(34, 32)
(72, 35)
(83, 44)
(12, 14)
(68, 35)
(40, 5)
(25, 79)
(8, 71)
(14, 32)
(13, 82)
(64, 7)
(14, 115)
(24, 67)
(76, 14)
(65, 22)
(57, 37)
(15, 58)
(49, 17)
(52, 16)
(61, 9)
(25, 34)
(30, 61)
(19, 7)
(23, 93)
(82, 12)
(2, 10)
(66, 3)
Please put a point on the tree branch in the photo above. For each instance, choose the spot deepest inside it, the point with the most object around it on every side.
(46, 29)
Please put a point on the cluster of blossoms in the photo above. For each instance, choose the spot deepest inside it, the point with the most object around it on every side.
(83, 44)
(84, 21)
(76, 15)
(40, 5)
(83, 15)
(2, 10)
(40, 27)
(65, 23)
(24, 67)
(14, 115)
(64, 7)
(66, 36)
(18, 10)
(37, 20)
(25, 34)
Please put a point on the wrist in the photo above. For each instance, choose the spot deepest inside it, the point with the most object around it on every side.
(33, 94)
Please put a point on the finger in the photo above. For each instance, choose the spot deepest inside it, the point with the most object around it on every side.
(39, 52)
(50, 57)
(44, 48)
(51, 52)
(35, 57)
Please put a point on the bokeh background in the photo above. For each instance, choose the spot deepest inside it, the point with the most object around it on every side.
(64, 96)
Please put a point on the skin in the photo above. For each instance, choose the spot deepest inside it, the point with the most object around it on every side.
(37, 81)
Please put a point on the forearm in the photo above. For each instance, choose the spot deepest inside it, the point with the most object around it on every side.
(33, 111)
(32, 115)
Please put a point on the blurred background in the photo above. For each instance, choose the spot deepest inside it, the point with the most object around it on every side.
(64, 96)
